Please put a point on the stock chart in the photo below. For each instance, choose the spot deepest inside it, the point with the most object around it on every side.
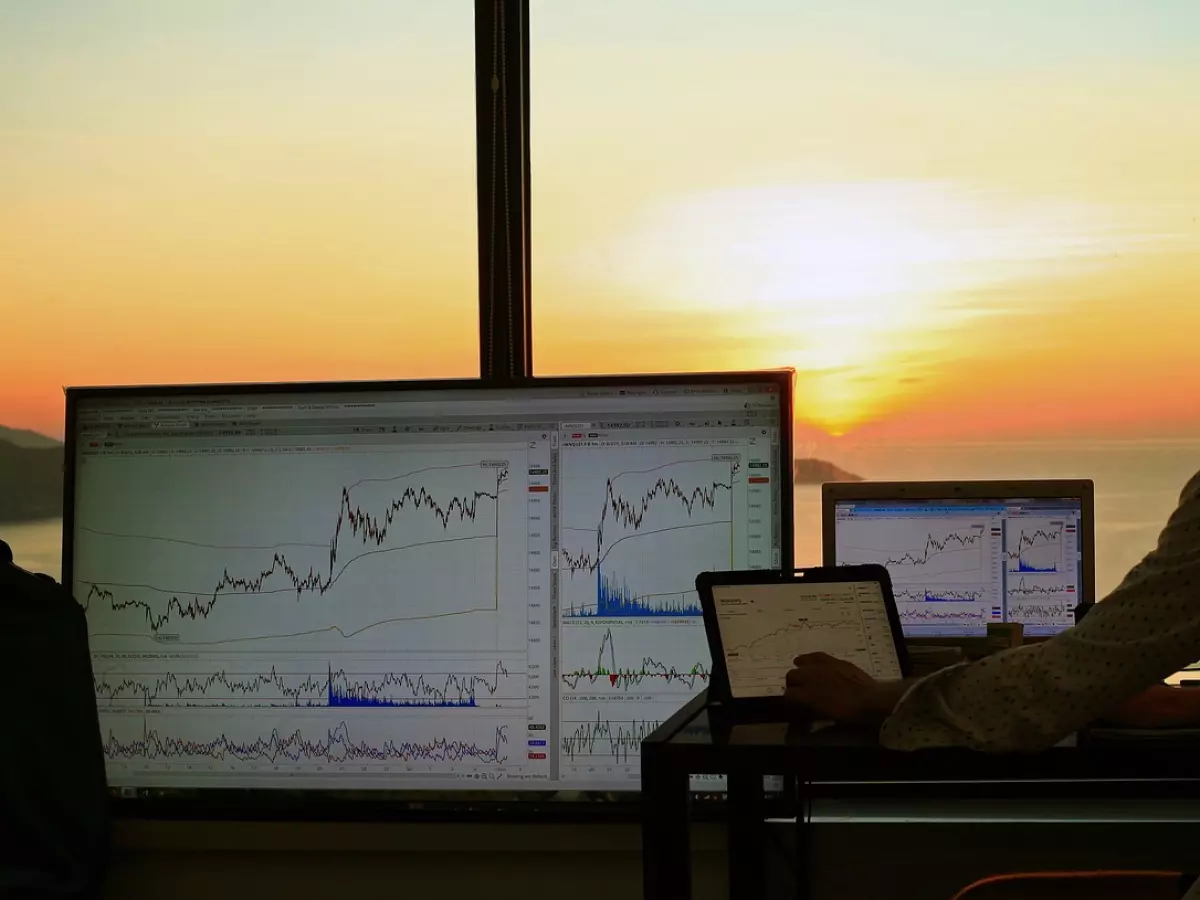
(765, 626)
(373, 603)
(959, 565)
(639, 524)
(381, 589)
(944, 572)
(1042, 574)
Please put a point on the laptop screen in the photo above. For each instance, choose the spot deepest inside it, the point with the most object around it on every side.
(765, 626)
(958, 565)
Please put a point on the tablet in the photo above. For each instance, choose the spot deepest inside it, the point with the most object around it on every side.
(757, 622)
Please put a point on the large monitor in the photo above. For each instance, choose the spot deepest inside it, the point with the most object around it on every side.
(411, 585)
(966, 554)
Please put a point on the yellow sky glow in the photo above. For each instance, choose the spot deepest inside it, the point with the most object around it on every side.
(857, 282)
(927, 214)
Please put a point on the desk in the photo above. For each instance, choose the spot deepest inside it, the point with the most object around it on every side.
(838, 762)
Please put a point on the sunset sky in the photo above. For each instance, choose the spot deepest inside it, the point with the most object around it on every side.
(956, 221)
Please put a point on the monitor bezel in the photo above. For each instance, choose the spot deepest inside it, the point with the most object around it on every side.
(1081, 489)
(407, 803)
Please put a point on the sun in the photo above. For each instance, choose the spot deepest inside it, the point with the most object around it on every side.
(843, 281)
(863, 287)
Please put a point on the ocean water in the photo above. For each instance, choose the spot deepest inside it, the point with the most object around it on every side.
(1137, 487)
(36, 546)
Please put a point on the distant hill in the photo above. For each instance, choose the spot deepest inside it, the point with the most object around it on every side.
(820, 471)
(22, 437)
(31, 482)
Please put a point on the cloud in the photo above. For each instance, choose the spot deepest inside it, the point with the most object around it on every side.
(856, 281)
(812, 245)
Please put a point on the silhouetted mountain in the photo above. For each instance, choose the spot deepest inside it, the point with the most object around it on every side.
(819, 471)
(30, 482)
(21, 437)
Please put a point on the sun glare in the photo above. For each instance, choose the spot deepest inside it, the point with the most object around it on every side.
(848, 282)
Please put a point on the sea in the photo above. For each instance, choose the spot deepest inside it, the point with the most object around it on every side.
(1137, 486)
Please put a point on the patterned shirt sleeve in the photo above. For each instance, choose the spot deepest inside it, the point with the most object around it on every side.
(1030, 697)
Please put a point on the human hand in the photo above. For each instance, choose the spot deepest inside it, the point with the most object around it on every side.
(829, 688)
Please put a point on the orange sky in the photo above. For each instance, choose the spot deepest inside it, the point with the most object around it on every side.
(953, 227)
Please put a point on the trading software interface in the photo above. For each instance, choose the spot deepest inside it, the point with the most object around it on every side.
(410, 590)
(957, 565)
(765, 626)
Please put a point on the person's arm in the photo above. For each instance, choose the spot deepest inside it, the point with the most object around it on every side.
(883, 698)
(1030, 697)
(1162, 706)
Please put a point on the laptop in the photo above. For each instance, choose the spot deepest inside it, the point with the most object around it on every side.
(758, 621)
(963, 555)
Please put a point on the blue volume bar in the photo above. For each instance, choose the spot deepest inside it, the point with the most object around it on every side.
(458, 690)
(340, 688)
(342, 697)
(965, 597)
(615, 601)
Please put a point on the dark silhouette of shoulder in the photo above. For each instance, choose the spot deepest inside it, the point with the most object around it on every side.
(53, 803)
(17, 584)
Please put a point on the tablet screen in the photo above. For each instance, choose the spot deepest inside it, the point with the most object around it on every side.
(765, 626)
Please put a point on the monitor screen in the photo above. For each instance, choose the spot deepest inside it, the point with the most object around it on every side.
(959, 564)
(765, 626)
(411, 587)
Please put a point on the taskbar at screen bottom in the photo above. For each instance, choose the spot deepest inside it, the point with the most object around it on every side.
(333, 779)
(303, 802)
(132, 783)
(708, 801)
(148, 784)
(703, 787)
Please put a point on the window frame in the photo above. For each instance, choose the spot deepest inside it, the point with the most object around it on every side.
(503, 197)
